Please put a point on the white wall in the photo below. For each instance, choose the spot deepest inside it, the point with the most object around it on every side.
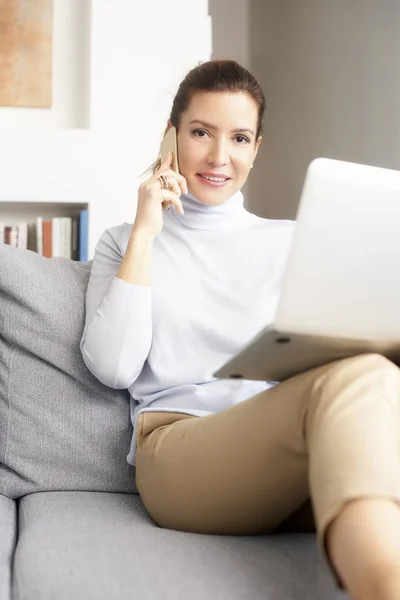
(135, 66)
(330, 71)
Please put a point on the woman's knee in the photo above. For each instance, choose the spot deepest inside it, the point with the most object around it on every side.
(355, 379)
(361, 365)
(381, 371)
(377, 361)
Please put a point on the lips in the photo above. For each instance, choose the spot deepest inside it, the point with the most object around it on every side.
(216, 177)
(213, 181)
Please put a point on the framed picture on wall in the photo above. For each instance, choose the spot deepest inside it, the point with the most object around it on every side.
(26, 48)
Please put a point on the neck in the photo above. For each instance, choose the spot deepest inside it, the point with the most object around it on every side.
(228, 215)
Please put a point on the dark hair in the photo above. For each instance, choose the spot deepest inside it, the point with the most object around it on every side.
(218, 75)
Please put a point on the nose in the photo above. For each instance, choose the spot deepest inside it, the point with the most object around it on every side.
(218, 155)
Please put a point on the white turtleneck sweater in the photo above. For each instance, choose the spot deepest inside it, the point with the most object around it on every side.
(216, 276)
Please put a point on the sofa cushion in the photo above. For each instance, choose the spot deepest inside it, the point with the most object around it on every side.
(60, 427)
(102, 546)
(8, 536)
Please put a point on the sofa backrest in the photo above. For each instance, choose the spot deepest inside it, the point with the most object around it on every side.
(60, 428)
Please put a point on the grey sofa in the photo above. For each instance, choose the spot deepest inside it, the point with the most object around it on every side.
(72, 525)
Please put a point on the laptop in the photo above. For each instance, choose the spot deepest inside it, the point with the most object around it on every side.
(340, 293)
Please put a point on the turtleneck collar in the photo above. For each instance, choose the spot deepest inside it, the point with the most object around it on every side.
(229, 215)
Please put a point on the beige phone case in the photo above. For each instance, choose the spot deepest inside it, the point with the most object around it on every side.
(169, 144)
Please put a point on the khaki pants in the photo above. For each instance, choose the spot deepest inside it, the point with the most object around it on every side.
(330, 434)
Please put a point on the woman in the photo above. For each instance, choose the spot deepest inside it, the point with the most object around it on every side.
(174, 295)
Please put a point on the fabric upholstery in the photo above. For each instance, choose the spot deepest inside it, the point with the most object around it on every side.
(102, 546)
(8, 535)
(60, 428)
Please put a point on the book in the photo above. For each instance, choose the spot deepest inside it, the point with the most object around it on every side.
(65, 237)
(22, 236)
(83, 235)
(39, 235)
(11, 235)
(56, 234)
(74, 239)
(47, 241)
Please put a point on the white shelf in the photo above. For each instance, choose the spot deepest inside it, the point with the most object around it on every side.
(12, 213)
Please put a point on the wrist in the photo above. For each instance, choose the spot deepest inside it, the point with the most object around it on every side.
(141, 237)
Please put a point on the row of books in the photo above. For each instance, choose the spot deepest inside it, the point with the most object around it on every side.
(59, 236)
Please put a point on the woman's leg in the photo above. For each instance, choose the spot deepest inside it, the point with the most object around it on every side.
(364, 545)
(362, 535)
(332, 432)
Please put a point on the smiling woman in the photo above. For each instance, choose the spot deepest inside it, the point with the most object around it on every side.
(217, 143)
(177, 293)
(217, 112)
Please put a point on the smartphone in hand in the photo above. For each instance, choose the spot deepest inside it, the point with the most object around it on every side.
(170, 144)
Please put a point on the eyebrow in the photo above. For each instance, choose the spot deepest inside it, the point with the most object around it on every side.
(205, 124)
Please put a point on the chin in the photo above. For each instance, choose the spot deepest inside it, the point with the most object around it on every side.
(211, 198)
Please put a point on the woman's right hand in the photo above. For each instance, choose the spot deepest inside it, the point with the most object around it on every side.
(153, 199)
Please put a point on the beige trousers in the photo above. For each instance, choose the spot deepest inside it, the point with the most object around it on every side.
(330, 434)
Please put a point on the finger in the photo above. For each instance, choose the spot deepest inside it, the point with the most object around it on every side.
(156, 177)
(166, 204)
(179, 207)
(169, 198)
(183, 185)
(174, 186)
(180, 179)
(166, 163)
(171, 185)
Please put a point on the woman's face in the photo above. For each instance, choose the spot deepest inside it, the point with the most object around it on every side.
(217, 144)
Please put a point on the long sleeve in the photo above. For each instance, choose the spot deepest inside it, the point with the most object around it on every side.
(118, 324)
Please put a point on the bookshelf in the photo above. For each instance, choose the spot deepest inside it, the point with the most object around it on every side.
(12, 213)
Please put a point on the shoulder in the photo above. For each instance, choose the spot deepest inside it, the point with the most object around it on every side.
(114, 240)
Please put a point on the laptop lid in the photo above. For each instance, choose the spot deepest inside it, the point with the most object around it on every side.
(343, 270)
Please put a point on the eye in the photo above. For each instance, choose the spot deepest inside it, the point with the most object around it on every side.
(200, 133)
(242, 139)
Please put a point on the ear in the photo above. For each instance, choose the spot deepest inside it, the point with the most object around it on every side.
(169, 124)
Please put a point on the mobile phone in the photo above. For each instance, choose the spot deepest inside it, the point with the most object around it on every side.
(170, 144)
